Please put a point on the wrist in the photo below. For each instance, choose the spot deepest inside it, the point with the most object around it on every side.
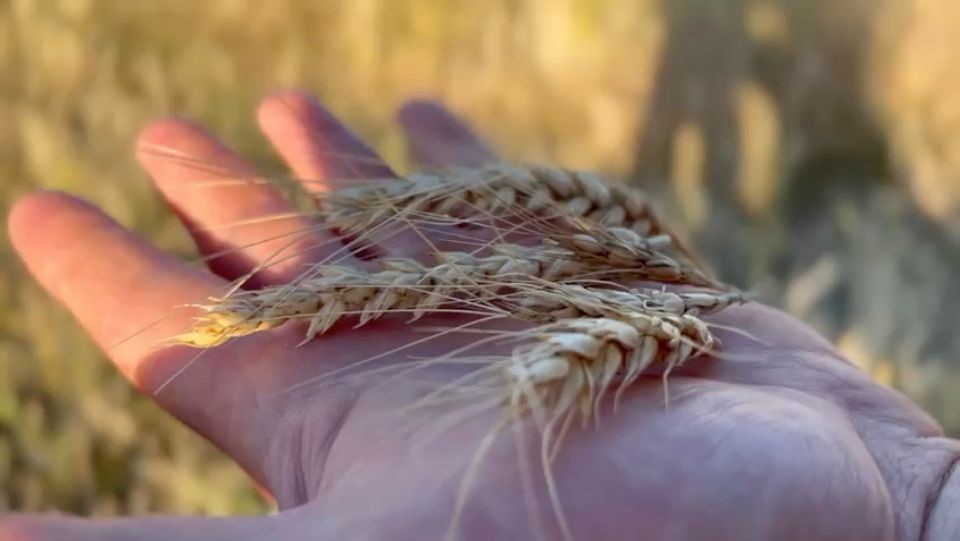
(943, 518)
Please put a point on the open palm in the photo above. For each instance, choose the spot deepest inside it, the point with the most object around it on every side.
(779, 439)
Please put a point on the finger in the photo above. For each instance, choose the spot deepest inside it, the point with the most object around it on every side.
(317, 147)
(325, 155)
(63, 528)
(239, 221)
(437, 138)
(125, 293)
(121, 289)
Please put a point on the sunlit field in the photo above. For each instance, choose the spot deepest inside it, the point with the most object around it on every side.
(811, 150)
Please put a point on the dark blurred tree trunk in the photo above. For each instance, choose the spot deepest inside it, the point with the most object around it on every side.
(838, 202)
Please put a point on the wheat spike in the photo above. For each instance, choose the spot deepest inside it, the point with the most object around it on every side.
(495, 190)
(626, 250)
(584, 257)
(535, 277)
(574, 362)
(325, 300)
(609, 223)
(553, 301)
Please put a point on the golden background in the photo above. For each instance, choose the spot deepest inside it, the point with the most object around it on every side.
(811, 148)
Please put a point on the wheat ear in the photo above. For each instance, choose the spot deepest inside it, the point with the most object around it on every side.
(336, 292)
(495, 190)
(533, 279)
(536, 301)
(578, 210)
(575, 362)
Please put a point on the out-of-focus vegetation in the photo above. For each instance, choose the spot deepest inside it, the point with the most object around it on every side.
(811, 147)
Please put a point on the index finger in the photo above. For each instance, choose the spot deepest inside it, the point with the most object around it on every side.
(120, 288)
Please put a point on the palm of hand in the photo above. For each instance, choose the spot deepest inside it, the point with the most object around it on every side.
(779, 439)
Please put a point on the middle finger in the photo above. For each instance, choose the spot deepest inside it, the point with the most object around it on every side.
(241, 224)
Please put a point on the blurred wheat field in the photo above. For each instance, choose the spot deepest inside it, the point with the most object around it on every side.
(812, 150)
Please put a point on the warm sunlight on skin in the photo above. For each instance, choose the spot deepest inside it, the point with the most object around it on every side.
(779, 438)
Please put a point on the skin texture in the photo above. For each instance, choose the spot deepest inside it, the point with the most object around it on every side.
(778, 439)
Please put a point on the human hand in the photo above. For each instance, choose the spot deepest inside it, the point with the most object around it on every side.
(778, 439)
